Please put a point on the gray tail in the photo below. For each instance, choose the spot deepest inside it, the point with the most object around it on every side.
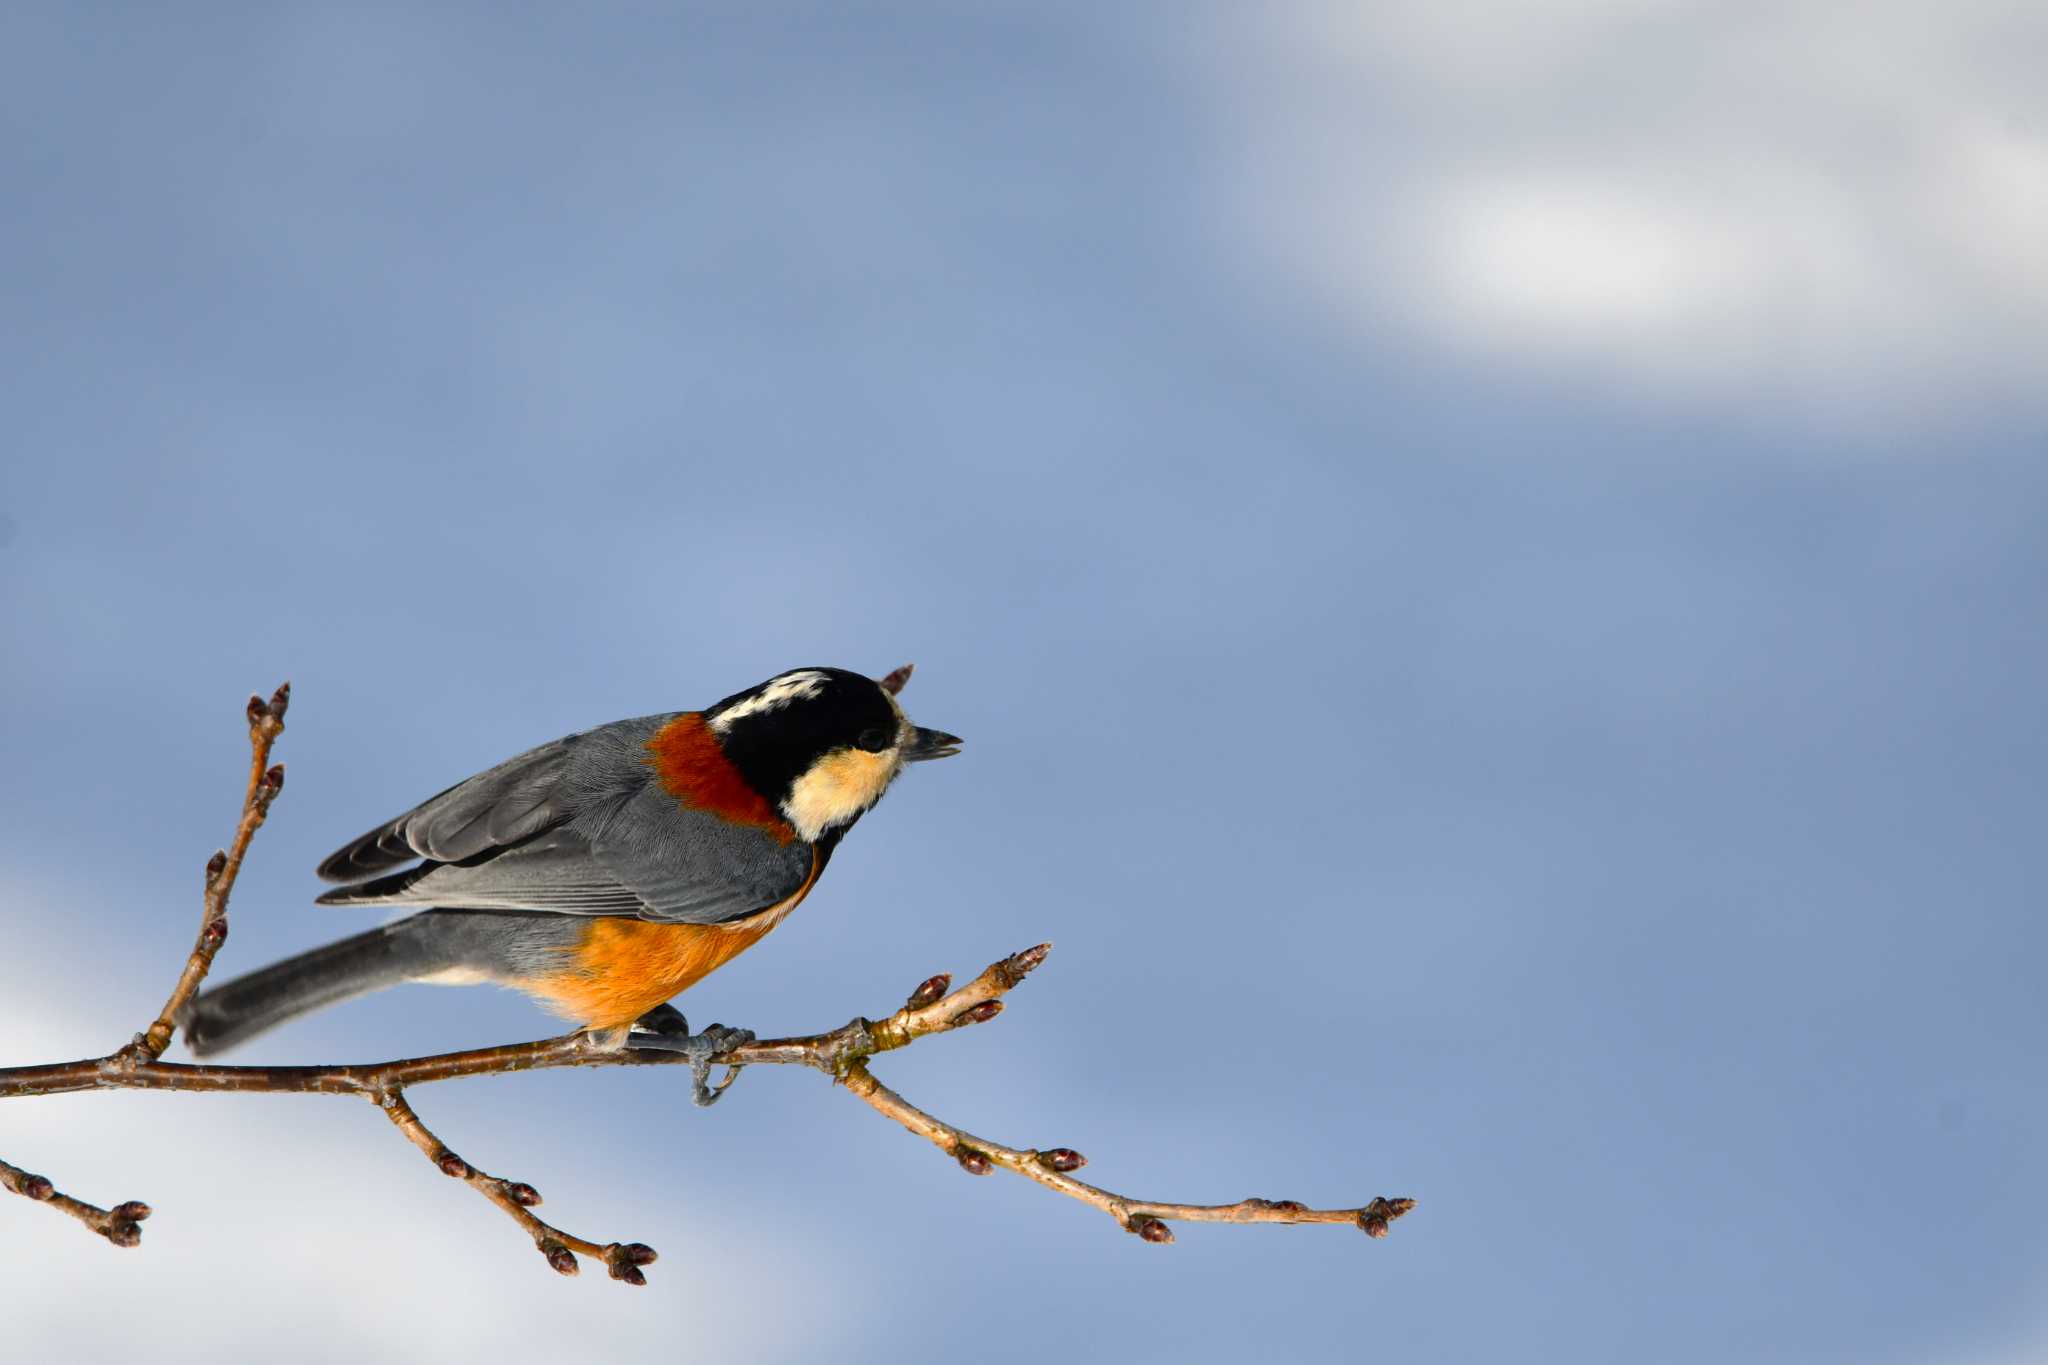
(251, 1004)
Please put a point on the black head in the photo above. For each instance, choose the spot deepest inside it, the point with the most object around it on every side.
(823, 744)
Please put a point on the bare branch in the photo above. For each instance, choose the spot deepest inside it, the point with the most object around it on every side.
(517, 1199)
(119, 1225)
(842, 1054)
(1051, 1168)
(266, 723)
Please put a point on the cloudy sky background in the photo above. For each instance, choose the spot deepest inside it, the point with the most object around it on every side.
(1491, 566)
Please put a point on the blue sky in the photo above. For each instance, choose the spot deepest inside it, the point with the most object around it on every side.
(1490, 565)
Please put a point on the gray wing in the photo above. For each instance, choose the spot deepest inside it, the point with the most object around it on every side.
(514, 801)
(612, 843)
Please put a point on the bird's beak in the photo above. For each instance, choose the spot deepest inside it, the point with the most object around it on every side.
(931, 744)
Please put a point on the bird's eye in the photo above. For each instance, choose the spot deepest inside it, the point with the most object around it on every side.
(875, 739)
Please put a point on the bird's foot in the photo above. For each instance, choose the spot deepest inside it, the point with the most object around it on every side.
(664, 1029)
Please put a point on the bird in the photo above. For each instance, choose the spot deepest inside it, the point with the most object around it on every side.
(607, 871)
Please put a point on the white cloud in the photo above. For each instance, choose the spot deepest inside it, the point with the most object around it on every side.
(1552, 254)
(1835, 208)
(305, 1227)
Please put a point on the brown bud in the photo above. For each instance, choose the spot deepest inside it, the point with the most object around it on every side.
(255, 708)
(523, 1194)
(1028, 960)
(37, 1187)
(134, 1211)
(1374, 1217)
(274, 779)
(560, 1258)
(216, 865)
(973, 1162)
(280, 700)
(892, 682)
(452, 1165)
(638, 1253)
(1063, 1159)
(929, 991)
(216, 932)
(1289, 1206)
(123, 1233)
(629, 1273)
(1151, 1229)
(978, 1014)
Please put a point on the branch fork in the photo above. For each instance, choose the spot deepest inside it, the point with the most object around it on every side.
(843, 1054)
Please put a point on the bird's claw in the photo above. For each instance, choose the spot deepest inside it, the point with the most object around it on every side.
(664, 1029)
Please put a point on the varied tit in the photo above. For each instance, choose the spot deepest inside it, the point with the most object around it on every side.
(610, 870)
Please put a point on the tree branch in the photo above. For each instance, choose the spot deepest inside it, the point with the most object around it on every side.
(266, 723)
(117, 1225)
(842, 1054)
(517, 1199)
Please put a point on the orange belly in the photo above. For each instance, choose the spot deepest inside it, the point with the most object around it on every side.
(623, 968)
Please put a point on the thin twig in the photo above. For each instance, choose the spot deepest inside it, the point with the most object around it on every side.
(1050, 1168)
(518, 1199)
(266, 723)
(118, 1225)
(843, 1054)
